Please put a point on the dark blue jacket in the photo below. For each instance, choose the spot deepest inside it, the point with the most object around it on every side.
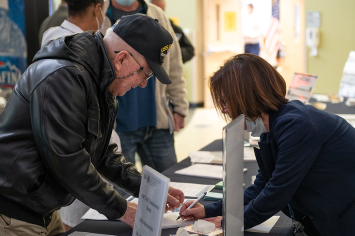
(307, 160)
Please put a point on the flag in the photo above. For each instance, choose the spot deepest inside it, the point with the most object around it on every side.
(273, 36)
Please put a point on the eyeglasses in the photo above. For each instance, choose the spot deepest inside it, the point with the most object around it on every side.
(224, 103)
(149, 75)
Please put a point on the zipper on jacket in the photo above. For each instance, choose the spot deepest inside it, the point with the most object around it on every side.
(111, 115)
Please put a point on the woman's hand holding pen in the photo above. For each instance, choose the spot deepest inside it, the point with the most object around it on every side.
(196, 212)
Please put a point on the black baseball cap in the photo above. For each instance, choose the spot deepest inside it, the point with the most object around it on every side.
(149, 38)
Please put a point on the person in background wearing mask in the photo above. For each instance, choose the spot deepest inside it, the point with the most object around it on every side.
(56, 19)
(83, 15)
(145, 123)
(306, 157)
(187, 50)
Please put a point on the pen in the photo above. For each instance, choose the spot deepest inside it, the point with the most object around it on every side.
(194, 203)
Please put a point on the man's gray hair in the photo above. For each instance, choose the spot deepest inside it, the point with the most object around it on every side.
(113, 43)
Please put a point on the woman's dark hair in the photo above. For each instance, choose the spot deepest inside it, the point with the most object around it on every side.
(249, 85)
(78, 7)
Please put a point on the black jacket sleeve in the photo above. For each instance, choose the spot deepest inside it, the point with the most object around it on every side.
(59, 121)
(120, 173)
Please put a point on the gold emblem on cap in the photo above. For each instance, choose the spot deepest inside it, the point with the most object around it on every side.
(167, 47)
(164, 52)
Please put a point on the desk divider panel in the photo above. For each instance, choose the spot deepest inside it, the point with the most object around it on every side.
(233, 164)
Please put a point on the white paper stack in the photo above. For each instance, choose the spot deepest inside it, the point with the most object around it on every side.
(192, 190)
(203, 170)
(350, 102)
(201, 157)
(216, 157)
(169, 219)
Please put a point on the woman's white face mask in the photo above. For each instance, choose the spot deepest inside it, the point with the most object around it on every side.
(256, 127)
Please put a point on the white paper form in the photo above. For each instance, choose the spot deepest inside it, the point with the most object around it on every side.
(266, 226)
(77, 233)
(204, 171)
(192, 190)
(169, 219)
(216, 157)
(132, 199)
(201, 157)
(249, 154)
(135, 200)
(92, 214)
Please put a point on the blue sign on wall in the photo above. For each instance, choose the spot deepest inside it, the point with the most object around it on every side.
(13, 48)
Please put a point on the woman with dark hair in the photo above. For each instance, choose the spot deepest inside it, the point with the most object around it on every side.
(306, 157)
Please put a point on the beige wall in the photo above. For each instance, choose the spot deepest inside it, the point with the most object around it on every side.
(337, 39)
(218, 44)
(186, 11)
(295, 59)
(200, 17)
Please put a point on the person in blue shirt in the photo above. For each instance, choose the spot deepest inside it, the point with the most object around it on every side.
(145, 122)
(306, 157)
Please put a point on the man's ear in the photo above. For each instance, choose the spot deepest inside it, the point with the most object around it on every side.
(118, 61)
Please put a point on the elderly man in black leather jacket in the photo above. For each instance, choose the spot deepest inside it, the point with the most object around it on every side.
(55, 129)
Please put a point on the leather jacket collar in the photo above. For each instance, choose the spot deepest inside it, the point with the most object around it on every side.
(86, 49)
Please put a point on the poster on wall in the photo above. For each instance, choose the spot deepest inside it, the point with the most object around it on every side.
(230, 21)
(13, 48)
(301, 87)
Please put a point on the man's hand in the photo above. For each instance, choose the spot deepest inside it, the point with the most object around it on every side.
(196, 212)
(216, 220)
(175, 198)
(179, 122)
(130, 214)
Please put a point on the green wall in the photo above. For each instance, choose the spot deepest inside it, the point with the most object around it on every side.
(337, 39)
(185, 10)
